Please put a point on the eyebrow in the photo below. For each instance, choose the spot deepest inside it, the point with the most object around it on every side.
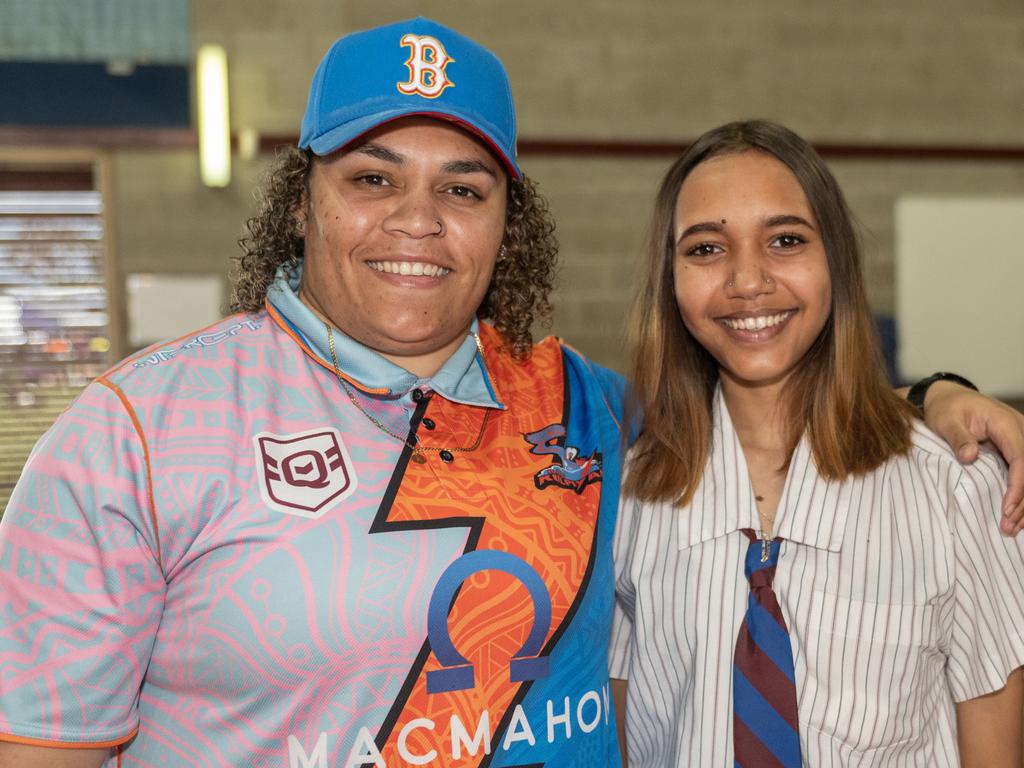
(469, 166)
(704, 226)
(788, 218)
(454, 166)
(380, 152)
(772, 221)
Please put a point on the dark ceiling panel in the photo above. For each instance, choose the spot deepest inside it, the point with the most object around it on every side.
(79, 95)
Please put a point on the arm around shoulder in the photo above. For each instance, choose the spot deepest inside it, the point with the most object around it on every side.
(964, 418)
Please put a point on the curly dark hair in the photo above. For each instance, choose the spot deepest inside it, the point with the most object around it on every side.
(520, 286)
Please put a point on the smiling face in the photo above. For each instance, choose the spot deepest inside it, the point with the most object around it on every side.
(402, 231)
(751, 274)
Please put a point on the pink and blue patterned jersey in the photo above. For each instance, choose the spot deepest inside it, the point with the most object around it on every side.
(215, 558)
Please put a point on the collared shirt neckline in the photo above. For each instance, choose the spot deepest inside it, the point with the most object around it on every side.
(724, 500)
(462, 379)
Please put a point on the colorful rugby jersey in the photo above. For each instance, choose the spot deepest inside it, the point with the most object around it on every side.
(214, 558)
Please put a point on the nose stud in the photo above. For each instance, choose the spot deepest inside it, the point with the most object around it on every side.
(765, 279)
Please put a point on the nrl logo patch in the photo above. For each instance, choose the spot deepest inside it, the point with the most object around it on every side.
(569, 470)
(303, 474)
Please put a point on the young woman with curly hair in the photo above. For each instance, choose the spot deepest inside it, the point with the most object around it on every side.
(364, 519)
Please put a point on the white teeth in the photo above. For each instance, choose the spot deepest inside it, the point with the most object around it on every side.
(414, 268)
(755, 323)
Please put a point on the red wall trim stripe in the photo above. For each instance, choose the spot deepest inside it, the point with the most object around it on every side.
(177, 139)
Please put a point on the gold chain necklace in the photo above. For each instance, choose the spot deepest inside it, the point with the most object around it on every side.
(445, 453)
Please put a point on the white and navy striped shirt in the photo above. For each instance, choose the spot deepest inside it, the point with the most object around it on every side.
(901, 595)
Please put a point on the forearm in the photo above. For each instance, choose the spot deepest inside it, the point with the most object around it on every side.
(989, 728)
(24, 756)
(619, 689)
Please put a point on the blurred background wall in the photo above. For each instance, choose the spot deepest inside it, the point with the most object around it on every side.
(907, 98)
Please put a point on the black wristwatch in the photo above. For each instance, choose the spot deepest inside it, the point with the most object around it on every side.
(917, 392)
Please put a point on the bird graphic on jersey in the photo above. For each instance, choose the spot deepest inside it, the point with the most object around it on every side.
(570, 470)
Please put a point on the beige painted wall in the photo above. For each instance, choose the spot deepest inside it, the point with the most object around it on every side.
(917, 72)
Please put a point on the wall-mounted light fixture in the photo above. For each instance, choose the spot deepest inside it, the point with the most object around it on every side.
(214, 123)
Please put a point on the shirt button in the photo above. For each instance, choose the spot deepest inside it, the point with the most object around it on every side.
(429, 423)
(417, 395)
(446, 456)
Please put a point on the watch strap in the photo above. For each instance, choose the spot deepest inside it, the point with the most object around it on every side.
(918, 391)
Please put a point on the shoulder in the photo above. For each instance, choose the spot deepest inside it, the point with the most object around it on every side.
(551, 359)
(978, 484)
(934, 454)
(214, 345)
(611, 383)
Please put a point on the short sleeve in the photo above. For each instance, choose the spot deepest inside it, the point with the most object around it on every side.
(81, 588)
(625, 593)
(986, 642)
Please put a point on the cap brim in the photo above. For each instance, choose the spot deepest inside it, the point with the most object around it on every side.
(345, 134)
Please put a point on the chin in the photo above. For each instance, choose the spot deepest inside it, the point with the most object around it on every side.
(426, 332)
(417, 341)
(754, 377)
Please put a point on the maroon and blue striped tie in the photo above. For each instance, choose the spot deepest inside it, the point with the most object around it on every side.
(765, 729)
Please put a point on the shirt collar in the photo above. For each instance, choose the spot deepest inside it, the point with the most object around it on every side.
(462, 379)
(812, 510)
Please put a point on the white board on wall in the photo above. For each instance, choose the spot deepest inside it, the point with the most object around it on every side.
(168, 306)
(960, 290)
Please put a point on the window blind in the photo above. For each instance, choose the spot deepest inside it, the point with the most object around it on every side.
(54, 335)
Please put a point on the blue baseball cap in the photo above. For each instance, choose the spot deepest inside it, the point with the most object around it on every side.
(414, 67)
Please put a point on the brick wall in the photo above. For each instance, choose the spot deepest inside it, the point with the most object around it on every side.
(938, 72)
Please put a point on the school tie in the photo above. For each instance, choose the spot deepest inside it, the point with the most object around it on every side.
(765, 729)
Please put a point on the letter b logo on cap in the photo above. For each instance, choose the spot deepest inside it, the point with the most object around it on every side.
(427, 60)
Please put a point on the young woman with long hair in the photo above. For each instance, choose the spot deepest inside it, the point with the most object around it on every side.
(806, 573)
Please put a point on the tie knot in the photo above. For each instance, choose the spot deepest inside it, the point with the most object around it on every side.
(762, 577)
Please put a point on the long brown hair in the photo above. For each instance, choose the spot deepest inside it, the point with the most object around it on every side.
(838, 396)
(517, 297)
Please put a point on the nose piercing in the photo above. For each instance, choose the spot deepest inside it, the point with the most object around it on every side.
(764, 279)
(440, 227)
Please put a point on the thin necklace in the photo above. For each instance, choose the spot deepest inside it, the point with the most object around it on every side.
(416, 448)
(765, 518)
